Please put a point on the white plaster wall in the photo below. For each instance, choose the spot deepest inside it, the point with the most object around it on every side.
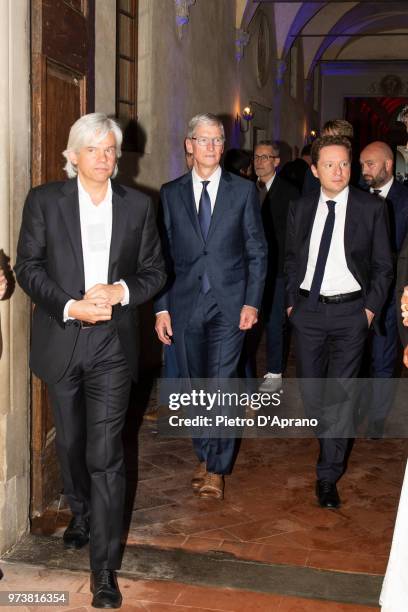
(105, 56)
(376, 48)
(14, 313)
(179, 78)
(199, 73)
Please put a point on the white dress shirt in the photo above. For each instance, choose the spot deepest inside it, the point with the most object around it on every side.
(337, 277)
(384, 190)
(96, 233)
(212, 187)
(268, 184)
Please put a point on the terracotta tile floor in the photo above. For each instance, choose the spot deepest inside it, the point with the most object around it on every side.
(269, 512)
(156, 596)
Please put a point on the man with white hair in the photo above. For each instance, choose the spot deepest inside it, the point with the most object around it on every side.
(88, 255)
(216, 258)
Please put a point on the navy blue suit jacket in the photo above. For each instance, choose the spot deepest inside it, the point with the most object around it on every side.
(397, 199)
(234, 254)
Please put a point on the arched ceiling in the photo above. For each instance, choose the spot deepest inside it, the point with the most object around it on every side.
(336, 30)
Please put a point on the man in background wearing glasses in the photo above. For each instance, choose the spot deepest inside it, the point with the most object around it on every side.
(275, 195)
(216, 257)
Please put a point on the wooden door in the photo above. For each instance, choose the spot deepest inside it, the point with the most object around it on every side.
(62, 72)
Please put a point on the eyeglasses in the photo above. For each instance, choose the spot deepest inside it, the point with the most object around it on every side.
(265, 158)
(106, 151)
(203, 141)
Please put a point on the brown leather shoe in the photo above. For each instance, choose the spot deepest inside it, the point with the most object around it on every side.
(213, 487)
(198, 476)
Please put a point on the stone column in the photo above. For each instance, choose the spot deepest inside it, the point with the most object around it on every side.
(14, 311)
(105, 56)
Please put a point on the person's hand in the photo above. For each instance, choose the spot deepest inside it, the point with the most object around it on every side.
(404, 307)
(90, 311)
(405, 357)
(248, 317)
(163, 327)
(289, 310)
(111, 294)
(3, 284)
(370, 316)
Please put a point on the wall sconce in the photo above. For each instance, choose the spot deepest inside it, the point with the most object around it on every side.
(247, 115)
(313, 134)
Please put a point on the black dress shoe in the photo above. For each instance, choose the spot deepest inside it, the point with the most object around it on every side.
(327, 494)
(76, 534)
(105, 589)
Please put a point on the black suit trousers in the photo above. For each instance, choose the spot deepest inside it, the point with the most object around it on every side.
(89, 405)
(329, 345)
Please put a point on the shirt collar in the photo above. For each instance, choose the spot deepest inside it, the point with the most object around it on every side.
(384, 190)
(268, 184)
(215, 176)
(341, 198)
(84, 194)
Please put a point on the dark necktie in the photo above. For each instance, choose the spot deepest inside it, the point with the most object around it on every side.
(322, 255)
(262, 190)
(377, 192)
(204, 217)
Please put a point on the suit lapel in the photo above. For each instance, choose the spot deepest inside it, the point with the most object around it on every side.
(272, 190)
(187, 196)
(69, 209)
(222, 202)
(352, 219)
(309, 214)
(119, 224)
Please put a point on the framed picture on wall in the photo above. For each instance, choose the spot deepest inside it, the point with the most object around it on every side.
(258, 135)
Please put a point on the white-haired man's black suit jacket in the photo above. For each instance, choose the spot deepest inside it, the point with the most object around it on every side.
(50, 269)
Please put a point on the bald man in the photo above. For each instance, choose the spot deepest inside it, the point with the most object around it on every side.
(377, 164)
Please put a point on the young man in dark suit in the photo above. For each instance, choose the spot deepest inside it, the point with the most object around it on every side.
(275, 195)
(338, 268)
(215, 249)
(88, 255)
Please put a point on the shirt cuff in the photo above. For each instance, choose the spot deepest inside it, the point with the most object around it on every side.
(125, 300)
(248, 306)
(65, 313)
(161, 312)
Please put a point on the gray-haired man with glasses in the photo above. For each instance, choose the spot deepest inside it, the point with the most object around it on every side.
(274, 195)
(216, 258)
